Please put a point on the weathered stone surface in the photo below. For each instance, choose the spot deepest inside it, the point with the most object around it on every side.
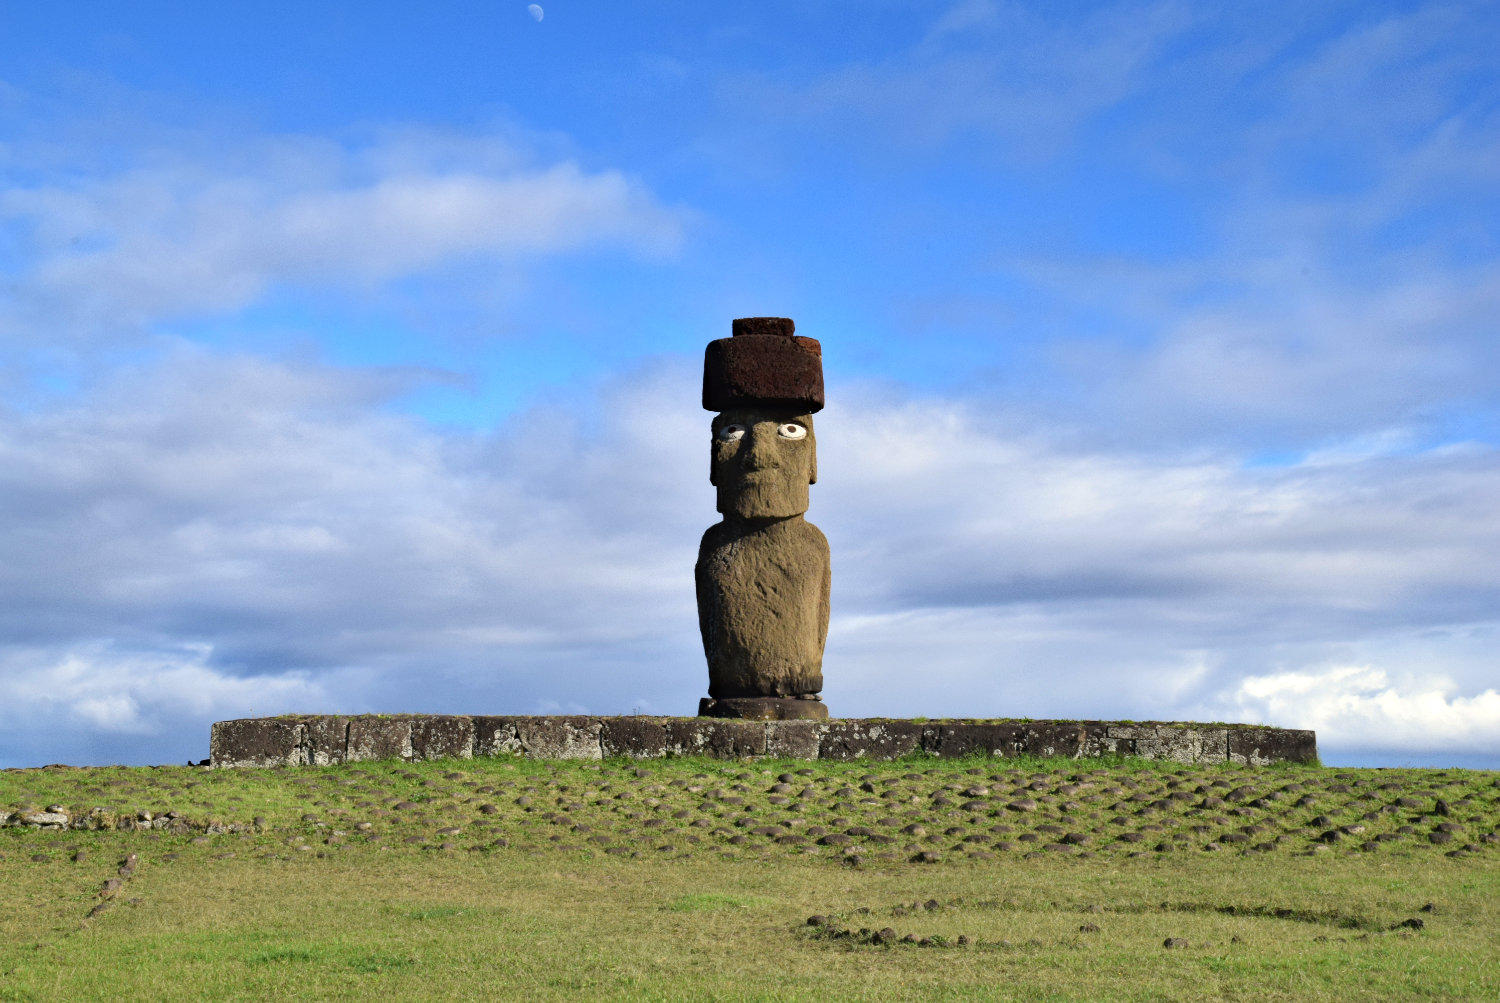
(1041, 738)
(793, 740)
(709, 736)
(324, 740)
(376, 738)
(763, 708)
(762, 460)
(1259, 746)
(445, 737)
(260, 741)
(763, 604)
(868, 739)
(645, 737)
(964, 739)
(568, 737)
(763, 362)
(43, 819)
(495, 735)
(783, 327)
(293, 741)
(1178, 744)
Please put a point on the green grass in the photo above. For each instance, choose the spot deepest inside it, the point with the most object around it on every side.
(686, 879)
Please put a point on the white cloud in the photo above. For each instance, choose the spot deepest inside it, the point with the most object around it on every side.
(1003, 517)
(1359, 707)
(207, 529)
(141, 693)
(188, 233)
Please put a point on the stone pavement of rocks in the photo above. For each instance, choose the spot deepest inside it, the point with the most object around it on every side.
(921, 813)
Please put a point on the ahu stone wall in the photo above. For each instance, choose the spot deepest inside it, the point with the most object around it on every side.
(321, 740)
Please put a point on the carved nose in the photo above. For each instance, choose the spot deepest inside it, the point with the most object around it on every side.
(757, 452)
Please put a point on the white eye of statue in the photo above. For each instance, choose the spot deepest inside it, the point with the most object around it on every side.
(792, 430)
(729, 433)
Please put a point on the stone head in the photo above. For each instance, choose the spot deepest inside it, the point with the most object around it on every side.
(764, 457)
(766, 382)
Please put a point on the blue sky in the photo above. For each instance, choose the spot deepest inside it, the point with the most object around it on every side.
(349, 357)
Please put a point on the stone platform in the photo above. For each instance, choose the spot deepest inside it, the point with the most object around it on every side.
(322, 740)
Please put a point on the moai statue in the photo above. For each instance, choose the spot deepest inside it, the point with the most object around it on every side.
(763, 572)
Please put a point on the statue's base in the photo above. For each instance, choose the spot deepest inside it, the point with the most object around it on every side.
(329, 739)
(764, 708)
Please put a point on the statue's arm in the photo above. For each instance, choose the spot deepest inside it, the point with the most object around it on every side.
(821, 542)
(704, 587)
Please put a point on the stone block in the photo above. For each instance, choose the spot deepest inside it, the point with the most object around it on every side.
(1100, 742)
(324, 740)
(792, 739)
(372, 737)
(1175, 743)
(855, 738)
(721, 737)
(569, 737)
(1259, 746)
(495, 735)
(966, 738)
(1055, 738)
(638, 736)
(43, 819)
(262, 741)
(442, 737)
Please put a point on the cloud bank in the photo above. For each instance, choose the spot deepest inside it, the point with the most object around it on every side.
(209, 535)
(193, 232)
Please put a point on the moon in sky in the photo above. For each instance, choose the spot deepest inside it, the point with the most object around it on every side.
(535, 10)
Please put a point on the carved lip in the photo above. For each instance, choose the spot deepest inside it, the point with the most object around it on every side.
(760, 475)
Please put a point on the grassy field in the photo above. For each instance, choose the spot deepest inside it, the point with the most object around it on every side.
(704, 879)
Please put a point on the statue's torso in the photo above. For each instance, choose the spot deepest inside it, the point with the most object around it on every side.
(763, 607)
